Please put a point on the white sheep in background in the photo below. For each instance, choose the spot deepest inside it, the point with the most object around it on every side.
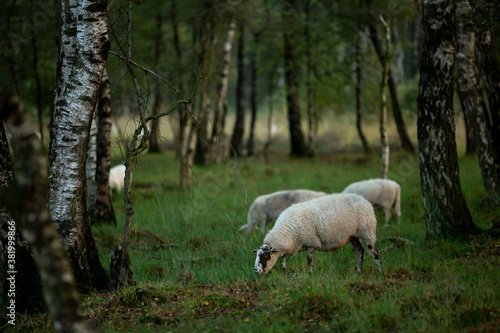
(117, 178)
(268, 207)
(382, 193)
(325, 224)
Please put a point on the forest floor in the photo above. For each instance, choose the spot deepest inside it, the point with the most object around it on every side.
(194, 270)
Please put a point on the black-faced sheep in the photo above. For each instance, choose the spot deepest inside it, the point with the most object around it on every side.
(382, 193)
(325, 224)
(267, 208)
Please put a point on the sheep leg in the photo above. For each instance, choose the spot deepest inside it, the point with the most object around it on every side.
(263, 225)
(359, 252)
(387, 211)
(310, 257)
(283, 263)
(374, 251)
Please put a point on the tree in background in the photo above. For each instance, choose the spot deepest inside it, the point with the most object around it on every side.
(237, 137)
(298, 146)
(396, 107)
(359, 59)
(384, 139)
(154, 138)
(216, 144)
(81, 65)
(446, 212)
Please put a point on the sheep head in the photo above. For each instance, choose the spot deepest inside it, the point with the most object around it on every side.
(266, 259)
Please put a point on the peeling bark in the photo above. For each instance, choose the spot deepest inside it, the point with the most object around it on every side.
(84, 50)
(446, 212)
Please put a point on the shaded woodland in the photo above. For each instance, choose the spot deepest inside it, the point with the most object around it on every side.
(85, 85)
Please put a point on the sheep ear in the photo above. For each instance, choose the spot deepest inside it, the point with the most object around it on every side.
(255, 251)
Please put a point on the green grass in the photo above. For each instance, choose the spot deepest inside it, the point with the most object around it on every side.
(194, 270)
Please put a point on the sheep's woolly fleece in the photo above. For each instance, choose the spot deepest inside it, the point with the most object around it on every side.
(266, 208)
(327, 224)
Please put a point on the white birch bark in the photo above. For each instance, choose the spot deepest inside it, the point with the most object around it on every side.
(446, 213)
(83, 56)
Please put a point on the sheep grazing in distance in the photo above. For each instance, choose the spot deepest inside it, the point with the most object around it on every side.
(117, 178)
(382, 193)
(268, 207)
(325, 224)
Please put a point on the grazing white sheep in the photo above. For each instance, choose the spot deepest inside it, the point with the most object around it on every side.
(325, 224)
(268, 207)
(382, 193)
(117, 178)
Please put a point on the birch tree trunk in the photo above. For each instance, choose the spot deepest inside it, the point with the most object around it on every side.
(216, 145)
(237, 137)
(26, 198)
(298, 146)
(446, 212)
(384, 139)
(474, 104)
(489, 66)
(84, 50)
(101, 209)
(396, 108)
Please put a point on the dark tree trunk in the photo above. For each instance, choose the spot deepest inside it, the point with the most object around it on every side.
(154, 137)
(253, 97)
(489, 65)
(26, 198)
(311, 114)
(298, 146)
(181, 111)
(79, 76)
(237, 137)
(473, 103)
(359, 59)
(202, 144)
(446, 212)
(396, 108)
(101, 210)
